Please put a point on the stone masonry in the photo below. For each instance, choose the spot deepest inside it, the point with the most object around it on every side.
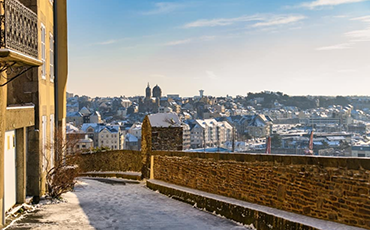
(336, 189)
(117, 161)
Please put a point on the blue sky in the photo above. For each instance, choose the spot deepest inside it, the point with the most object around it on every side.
(233, 47)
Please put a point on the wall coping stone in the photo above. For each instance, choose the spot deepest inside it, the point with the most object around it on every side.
(125, 175)
(352, 163)
(261, 213)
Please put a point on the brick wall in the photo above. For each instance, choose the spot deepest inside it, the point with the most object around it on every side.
(120, 160)
(336, 189)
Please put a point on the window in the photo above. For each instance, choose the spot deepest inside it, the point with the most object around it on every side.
(44, 120)
(52, 140)
(43, 52)
(51, 39)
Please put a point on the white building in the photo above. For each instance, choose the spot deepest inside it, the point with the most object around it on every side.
(210, 133)
(110, 136)
(104, 135)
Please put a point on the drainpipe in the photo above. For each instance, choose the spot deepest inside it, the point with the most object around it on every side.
(56, 62)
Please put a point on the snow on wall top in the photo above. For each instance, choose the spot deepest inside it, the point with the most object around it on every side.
(164, 120)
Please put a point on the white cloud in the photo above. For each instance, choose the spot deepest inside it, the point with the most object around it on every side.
(190, 40)
(363, 19)
(164, 7)
(280, 20)
(336, 47)
(179, 42)
(221, 21)
(211, 75)
(266, 20)
(108, 42)
(354, 36)
(323, 3)
(359, 35)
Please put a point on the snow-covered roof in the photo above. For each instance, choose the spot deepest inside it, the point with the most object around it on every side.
(74, 114)
(111, 128)
(136, 126)
(85, 111)
(164, 120)
(86, 140)
(130, 138)
(71, 129)
(85, 126)
(99, 127)
(96, 113)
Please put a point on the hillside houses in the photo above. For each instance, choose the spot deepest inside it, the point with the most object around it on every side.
(258, 125)
(103, 135)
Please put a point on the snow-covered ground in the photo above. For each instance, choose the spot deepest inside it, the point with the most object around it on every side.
(98, 205)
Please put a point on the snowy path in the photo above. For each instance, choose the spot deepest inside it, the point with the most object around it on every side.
(98, 205)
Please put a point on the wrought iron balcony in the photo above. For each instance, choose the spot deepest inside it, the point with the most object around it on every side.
(18, 28)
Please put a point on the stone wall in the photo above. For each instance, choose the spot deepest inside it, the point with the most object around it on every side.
(167, 138)
(119, 160)
(336, 189)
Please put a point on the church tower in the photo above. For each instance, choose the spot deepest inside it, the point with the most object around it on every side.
(157, 92)
(147, 91)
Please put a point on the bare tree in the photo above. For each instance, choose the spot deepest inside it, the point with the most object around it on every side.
(62, 165)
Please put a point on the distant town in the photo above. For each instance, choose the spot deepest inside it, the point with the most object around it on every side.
(340, 125)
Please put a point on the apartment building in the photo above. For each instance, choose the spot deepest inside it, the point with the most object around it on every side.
(210, 133)
(111, 137)
(104, 135)
(33, 65)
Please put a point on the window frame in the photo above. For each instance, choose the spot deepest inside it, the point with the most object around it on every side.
(51, 58)
(43, 51)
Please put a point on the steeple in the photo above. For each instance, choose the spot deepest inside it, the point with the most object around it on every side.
(148, 91)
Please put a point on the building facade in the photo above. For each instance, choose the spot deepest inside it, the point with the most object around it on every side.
(210, 133)
(33, 57)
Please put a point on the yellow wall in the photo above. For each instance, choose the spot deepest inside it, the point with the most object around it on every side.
(3, 102)
(45, 103)
(62, 59)
(46, 86)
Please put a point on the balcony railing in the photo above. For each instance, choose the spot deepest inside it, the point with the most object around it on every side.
(18, 28)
